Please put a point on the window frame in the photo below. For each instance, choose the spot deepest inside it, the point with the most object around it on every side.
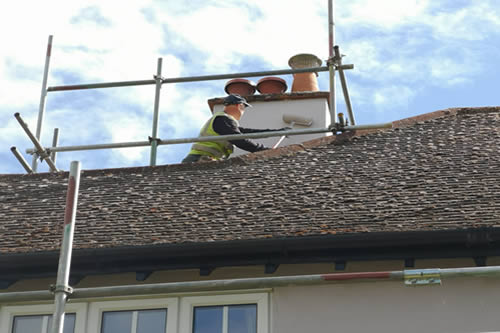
(188, 303)
(96, 309)
(7, 314)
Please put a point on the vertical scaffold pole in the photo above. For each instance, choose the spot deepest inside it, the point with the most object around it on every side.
(331, 65)
(41, 108)
(156, 115)
(62, 289)
(343, 83)
(55, 141)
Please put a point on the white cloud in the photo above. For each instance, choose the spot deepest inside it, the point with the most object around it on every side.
(388, 15)
(226, 31)
(471, 23)
(395, 96)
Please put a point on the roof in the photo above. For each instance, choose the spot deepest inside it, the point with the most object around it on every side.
(430, 176)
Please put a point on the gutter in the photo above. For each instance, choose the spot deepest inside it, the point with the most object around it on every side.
(468, 243)
(410, 277)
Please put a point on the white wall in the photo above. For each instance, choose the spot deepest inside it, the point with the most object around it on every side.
(269, 114)
(458, 305)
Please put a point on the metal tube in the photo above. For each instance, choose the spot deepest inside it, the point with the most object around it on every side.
(369, 126)
(331, 28)
(192, 78)
(248, 283)
(258, 135)
(41, 108)
(95, 147)
(343, 82)
(331, 64)
(39, 149)
(62, 288)
(21, 159)
(470, 271)
(154, 135)
(55, 141)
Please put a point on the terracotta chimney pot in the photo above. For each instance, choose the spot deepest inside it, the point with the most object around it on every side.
(241, 87)
(304, 81)
(271, 85)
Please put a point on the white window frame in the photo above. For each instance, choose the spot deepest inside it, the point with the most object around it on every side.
(7, 314)
(96, 310)
(188, 304)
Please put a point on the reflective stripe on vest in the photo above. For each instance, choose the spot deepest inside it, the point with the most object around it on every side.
(216, 149)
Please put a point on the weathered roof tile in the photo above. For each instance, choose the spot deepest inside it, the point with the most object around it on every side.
(434, 172)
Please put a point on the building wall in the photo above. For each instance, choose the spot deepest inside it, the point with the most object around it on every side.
(458, 305)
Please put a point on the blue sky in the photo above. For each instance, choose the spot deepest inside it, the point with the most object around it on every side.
(410, 56)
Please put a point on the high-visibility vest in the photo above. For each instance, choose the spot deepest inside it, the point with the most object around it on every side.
(214, 149)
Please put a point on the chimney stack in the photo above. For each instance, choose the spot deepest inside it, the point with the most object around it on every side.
(304, 81)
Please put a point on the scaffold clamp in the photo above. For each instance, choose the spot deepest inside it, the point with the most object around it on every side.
(58, 288)
(159, 77)
(422, 277)
(151, 139)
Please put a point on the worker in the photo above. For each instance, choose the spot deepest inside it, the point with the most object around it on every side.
(223, 123)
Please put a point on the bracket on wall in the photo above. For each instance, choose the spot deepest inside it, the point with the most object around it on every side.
(206, 271)
(480, 261)
(340, 265)
(75, 279)
(4, 284)
(409, 262)
(142, 275)
(271, 268)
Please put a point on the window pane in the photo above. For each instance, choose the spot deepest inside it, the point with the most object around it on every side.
(27, 324)
(207, 319)
(242, 318)
(152, 321)
(34, 323)
(69, 323)
(116, 322)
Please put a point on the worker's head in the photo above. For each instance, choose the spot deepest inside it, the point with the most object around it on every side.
(235, 105)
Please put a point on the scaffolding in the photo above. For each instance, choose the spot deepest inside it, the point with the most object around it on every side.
(62, 291)
(48, 154)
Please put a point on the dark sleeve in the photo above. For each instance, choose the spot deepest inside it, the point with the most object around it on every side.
(225, 126)
(254, 130)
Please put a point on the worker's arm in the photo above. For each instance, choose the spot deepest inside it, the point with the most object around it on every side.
(255, 130)
(225, 126)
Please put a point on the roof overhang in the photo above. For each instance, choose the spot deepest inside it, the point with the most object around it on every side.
(472, 243)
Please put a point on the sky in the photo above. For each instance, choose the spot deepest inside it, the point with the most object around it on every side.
(410, 57)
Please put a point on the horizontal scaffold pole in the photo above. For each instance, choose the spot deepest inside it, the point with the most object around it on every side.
(258, 135)
(248, 283)
(191, 78)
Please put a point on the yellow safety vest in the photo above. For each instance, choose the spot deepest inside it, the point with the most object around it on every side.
(215, 149)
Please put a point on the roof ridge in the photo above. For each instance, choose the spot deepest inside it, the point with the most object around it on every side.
(443, 113)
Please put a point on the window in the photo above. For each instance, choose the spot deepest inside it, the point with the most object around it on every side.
(38, 318)
(243, 313)
(41, 323)
(152, 315)
(225, 319)
(204, 313)
(144, 321)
